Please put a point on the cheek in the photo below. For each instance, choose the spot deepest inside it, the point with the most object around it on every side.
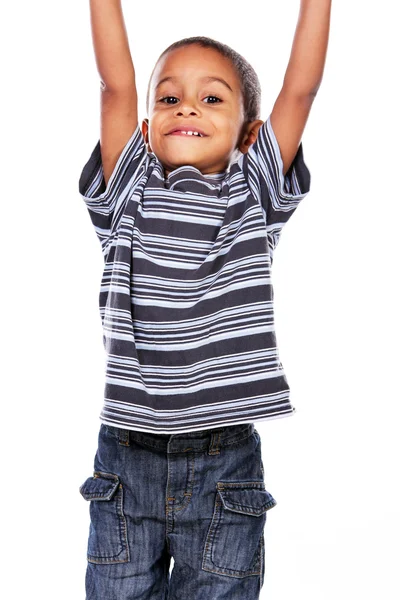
(226, 123)
(153, 136)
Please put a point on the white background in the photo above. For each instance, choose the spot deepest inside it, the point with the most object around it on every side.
(333, 466)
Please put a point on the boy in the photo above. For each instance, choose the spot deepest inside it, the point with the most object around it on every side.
(188, 210)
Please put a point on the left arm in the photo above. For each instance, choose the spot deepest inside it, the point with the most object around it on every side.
(302, 78)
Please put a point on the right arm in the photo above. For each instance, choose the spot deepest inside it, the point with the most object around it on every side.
(119, 116)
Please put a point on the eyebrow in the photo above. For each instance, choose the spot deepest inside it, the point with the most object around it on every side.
(205, 79)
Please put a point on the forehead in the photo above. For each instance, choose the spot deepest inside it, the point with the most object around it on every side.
(194, 63)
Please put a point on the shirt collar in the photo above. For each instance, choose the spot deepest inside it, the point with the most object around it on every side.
(188, 178)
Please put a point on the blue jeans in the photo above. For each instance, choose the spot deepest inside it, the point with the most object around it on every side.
(199, 497)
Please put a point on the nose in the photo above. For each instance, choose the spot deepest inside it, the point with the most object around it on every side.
(187, 107)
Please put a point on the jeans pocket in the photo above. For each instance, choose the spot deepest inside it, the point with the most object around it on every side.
(108, 539)
(234, 543)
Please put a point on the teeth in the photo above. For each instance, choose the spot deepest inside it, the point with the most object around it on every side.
(191, 133)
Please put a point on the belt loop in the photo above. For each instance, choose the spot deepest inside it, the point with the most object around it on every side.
(123, 436)
(214, 447)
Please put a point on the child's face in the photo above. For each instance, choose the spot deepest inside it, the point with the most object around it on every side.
(186, 101)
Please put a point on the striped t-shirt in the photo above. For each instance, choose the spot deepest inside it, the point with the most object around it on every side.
(186, 298)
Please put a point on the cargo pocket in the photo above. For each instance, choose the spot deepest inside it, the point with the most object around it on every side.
(235, 543)
(108, 539)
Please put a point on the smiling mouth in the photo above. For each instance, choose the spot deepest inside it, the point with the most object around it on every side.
(187, 135)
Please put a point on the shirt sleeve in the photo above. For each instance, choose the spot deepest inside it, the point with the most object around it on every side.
(105, 203)
(278, 195)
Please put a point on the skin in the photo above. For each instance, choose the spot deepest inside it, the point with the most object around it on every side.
(210, 106)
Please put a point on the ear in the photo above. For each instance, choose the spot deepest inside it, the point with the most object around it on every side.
(249, 135)
(145, 132)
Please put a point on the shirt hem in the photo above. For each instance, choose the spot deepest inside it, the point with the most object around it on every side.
(201, 426)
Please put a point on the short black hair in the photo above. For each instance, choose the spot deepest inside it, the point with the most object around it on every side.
(249, 82)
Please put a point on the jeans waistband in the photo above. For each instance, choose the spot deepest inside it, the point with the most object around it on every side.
(195, 441)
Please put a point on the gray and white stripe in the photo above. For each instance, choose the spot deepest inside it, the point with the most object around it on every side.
(186, 298)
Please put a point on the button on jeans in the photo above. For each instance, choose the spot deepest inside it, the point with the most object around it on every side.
(198, 497)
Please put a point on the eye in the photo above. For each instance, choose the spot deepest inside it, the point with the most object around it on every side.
(219, 100)
(168, 97)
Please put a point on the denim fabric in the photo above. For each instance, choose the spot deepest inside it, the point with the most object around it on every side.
(199, 497)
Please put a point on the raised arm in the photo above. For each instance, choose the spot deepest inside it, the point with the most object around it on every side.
(119, 116)
(303, 77)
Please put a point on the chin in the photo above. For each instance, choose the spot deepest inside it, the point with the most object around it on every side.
(183, 159)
